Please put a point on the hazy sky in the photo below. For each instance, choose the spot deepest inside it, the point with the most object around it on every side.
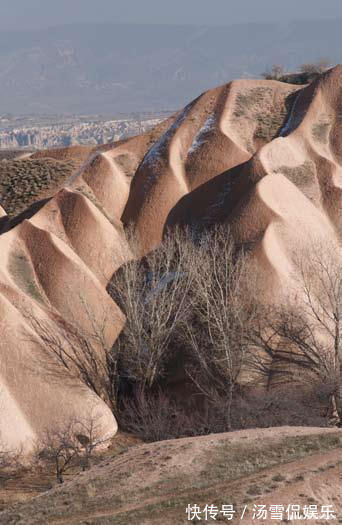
(43, 13)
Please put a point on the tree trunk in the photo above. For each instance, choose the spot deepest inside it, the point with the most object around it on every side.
(333, 415)
(229, 407)
(59, 472)
(59, 476)
(335, 401)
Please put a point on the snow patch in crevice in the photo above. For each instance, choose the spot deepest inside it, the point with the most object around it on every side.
(200, 137)
(293, 120)
(217, 205)
(158, 152)
(155, 152)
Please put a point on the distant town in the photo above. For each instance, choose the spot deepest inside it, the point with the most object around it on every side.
(37, 132)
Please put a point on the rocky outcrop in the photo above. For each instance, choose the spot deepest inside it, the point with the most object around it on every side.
(262, 157)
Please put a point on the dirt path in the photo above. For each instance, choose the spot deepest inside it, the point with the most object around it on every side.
(152, 484)
(287, 484)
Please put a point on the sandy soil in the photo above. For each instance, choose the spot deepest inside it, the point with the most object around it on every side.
(154, 483)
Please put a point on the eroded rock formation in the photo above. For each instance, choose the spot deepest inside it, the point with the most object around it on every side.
(261, 156)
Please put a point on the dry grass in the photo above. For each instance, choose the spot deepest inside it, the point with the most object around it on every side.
(153, 483)
(23, 182)
(77, 154)
(267, 113)
(128, 163)
(11, 154)
(320, 131)
(23, 273)
(251, 100)
(302, 175)
(28, 482)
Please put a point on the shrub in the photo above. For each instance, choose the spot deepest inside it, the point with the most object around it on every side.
(311, 68)
(275, 73)
(156, 416)
(22, 182)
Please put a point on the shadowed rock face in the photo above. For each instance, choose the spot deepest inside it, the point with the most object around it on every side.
(55, 261)
(261, 156)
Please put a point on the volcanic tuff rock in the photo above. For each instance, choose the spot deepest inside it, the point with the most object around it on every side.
(261, 156)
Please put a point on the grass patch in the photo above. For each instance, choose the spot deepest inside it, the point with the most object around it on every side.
(23, 182)
(231, 461)
(278, 478)
(267, 112)
(302, 175)
(300, 477)
(22, 272)
(207, 483)
(320, 131)
(254, 490)
(250, 99)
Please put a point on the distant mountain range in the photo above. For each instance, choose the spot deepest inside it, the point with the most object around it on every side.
(108, 68)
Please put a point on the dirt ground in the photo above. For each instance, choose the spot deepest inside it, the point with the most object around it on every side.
(154, 483)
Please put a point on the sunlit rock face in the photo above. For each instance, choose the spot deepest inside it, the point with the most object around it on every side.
(261, 156)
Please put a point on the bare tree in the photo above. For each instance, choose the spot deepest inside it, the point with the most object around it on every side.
(222, 318)
(58, 446)
(306, 334)
(67, 351)
(153, 294)
(89, 434)
(312, 68)
(155, 416)
(275, 73)
(10, 461)
(321, 285)
(71, 444)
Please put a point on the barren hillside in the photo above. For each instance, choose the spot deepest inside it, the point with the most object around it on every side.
(155, 483)
(261, 157)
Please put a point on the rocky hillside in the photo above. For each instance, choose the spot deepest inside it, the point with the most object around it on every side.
(260, 157)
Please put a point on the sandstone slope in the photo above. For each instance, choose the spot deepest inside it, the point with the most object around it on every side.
(55, 261)
(260, 156)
